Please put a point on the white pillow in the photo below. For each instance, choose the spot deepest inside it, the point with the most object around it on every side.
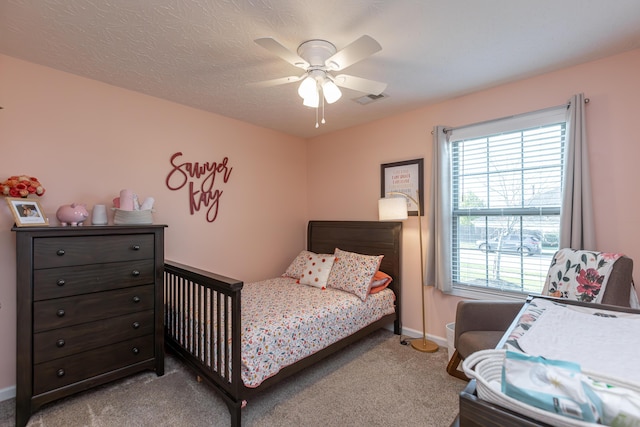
(316, 270)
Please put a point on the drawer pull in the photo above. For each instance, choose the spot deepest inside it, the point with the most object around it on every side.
(60, 313)
(135, 247)
(135, 350)
(60, 252)
(136, 325)
(60, 282)
(136, 299)
(135, 273)
(60, 373)
(60, 343)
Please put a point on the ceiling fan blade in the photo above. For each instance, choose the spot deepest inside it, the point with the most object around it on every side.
(358, 50)
(361, 85)
(273, 46)
(276, 82)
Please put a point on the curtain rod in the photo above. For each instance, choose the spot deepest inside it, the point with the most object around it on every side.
(568, 104)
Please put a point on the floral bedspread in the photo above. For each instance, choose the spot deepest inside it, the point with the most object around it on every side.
(284, 322)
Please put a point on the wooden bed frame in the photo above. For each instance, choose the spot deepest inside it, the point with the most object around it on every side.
(218, 301)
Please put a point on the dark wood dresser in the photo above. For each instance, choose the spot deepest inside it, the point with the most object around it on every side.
(90, 309)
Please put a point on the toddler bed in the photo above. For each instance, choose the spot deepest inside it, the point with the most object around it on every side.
(242, 338)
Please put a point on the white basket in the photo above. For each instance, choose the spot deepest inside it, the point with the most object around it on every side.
(451, 334)
(122, 217)
(486, 367)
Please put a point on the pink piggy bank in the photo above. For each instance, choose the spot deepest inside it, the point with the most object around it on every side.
(73, 214)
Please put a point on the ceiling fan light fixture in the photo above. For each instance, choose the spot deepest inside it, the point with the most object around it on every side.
(308, 88)
(312, 99)
(331, 92)
(319, 58)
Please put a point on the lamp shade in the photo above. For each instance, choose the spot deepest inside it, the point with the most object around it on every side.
(312, 100)
(331, 91)
(392, 209)
(307, 88)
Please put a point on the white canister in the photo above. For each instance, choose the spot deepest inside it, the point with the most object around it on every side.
(99, 215)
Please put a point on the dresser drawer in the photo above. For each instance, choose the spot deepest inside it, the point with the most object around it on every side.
(66, 281)
(61, 372)
(87, 336)
(62, 312)
(81, 250)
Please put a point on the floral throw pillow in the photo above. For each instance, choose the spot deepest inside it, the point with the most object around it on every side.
(352, 272)
(579, 274)
(296, 267)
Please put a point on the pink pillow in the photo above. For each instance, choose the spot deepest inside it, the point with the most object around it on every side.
(379, 282)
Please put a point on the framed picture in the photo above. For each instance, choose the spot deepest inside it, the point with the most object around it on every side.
(27, 212)
(404, 177)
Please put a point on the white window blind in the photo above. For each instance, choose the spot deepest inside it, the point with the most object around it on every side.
(506, 195)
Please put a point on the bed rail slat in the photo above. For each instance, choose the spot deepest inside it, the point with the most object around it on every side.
(202, 321)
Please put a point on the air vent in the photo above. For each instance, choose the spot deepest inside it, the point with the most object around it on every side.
(368, 99)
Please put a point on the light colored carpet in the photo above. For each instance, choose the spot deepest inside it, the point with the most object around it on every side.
(374, 382)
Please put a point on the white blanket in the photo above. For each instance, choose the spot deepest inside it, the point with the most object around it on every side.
(606, 345)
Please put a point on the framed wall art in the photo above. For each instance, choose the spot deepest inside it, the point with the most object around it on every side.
(26, 212)
(404, 177)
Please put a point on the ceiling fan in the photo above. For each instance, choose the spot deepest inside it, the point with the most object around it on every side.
(320, 60)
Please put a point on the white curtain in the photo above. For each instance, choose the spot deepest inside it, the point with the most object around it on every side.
(439, 240)
(577, 229)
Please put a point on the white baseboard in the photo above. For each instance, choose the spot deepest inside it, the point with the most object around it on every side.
(412, 333)
(7, 393)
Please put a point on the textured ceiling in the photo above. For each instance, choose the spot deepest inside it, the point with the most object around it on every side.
(201, 52)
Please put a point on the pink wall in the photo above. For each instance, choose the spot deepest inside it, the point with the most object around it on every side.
(87, 140)
(344, 170)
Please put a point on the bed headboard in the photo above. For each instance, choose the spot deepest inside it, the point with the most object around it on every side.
(364, 237)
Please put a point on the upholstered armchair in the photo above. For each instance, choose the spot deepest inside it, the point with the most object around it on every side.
(481, 324)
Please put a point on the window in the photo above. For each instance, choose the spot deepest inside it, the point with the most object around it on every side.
(506, 199)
